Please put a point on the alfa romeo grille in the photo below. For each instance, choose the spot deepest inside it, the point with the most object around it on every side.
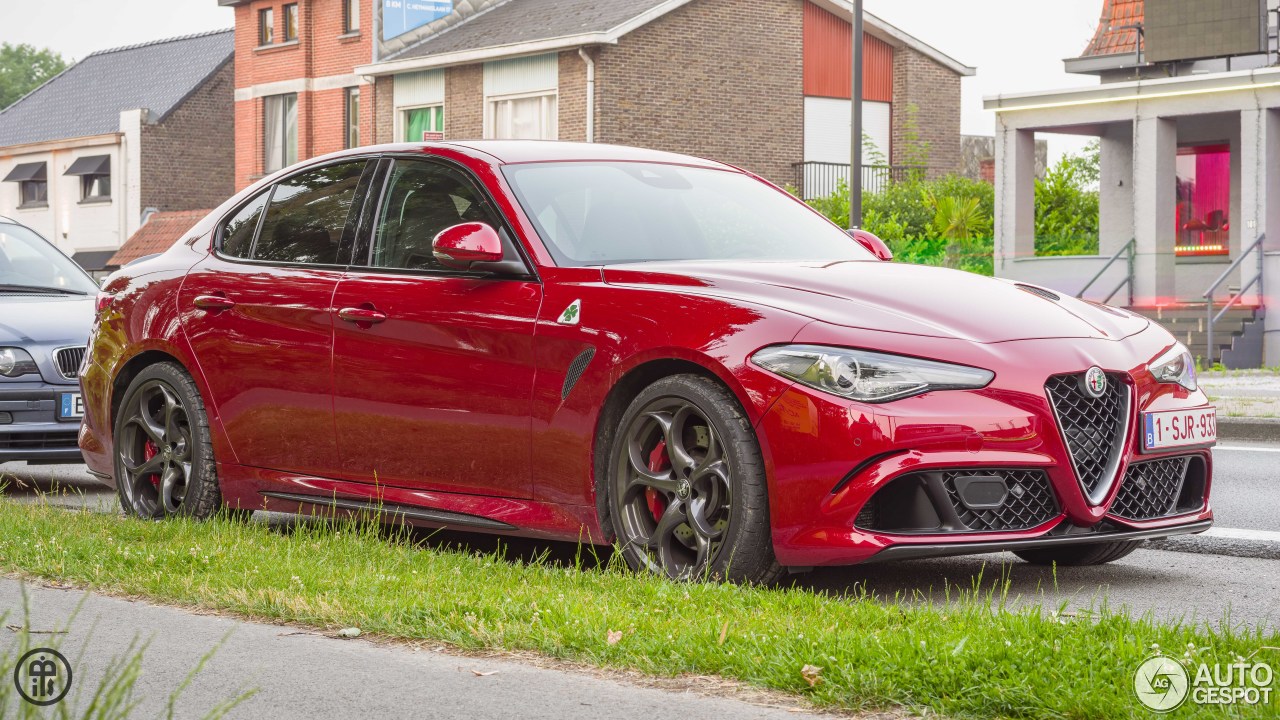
(1030, 501)
(1150, 490)
(69, 361)
(1093, 429)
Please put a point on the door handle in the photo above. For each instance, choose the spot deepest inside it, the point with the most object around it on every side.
(363, 316)
(213, 302)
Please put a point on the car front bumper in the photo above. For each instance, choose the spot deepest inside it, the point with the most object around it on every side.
(829, 460)
(30, 430)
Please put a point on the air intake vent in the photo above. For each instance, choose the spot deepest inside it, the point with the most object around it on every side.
(69, 360)
(1047, 295)
(576, 368)
(1092, 428)
(1161, 488)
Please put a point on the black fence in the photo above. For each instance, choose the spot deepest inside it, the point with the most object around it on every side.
(820, 179)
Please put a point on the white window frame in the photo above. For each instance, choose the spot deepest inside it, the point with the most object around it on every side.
(398, 125)
(490, 113)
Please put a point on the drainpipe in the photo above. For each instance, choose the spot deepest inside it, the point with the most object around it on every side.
(591, 94)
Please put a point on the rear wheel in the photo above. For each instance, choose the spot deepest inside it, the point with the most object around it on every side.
(687, 494)
(1088, 554)
(163, 458)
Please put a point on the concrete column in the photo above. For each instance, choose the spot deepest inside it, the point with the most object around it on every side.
(131, 156)
(1015, 197)
(1154, 191)
(1115, 201)
(1263, 195)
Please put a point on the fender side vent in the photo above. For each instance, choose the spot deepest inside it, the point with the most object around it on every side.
(576, 368)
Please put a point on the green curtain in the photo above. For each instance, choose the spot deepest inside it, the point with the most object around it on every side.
(420, 120)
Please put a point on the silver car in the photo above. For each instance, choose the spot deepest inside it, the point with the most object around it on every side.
(46, 310)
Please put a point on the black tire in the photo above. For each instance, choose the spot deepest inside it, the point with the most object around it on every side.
(164, 464)
(706, 514)
(1089, 554)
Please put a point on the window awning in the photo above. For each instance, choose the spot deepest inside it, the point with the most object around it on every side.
(90, 165)
(23, 172)
(93, 260)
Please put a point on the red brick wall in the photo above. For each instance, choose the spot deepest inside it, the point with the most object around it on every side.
(928, 95)
(322, 51)
(721, 79)
(384, 111)
(187, 158)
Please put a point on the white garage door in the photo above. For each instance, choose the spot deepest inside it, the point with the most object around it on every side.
(827, 122)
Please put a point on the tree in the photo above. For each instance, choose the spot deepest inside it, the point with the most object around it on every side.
(24, 68)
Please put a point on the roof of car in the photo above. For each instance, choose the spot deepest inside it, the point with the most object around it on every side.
(509, 152)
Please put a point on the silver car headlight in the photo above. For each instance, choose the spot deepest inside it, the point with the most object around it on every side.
(16, 361)
(867, 376)
(1176, 366)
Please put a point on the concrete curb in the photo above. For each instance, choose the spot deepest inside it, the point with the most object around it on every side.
(1249, 429)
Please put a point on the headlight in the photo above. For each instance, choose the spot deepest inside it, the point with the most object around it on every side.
(1176, 366)
(867, 376)
(15, 362)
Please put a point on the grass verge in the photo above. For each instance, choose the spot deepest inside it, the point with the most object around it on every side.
(969, 657)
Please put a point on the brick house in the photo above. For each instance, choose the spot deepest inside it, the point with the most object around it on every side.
(759, 83)
(119, 135)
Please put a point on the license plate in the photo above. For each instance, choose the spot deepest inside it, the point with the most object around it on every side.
(70, 406)
(1179, 428)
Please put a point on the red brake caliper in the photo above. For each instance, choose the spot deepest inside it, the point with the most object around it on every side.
(149, 451)
(658, 461)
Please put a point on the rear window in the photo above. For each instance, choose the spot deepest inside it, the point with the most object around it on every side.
(237, 233)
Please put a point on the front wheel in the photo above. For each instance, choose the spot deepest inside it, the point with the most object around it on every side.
(163, 458)
(1086, 554)
(687, 492)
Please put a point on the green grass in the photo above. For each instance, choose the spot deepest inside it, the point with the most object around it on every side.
(969, 657)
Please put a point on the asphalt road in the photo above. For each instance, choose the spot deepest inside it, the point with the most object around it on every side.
(304, 675)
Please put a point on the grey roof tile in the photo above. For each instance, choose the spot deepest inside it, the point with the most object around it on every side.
(521, 21)
(88, 97)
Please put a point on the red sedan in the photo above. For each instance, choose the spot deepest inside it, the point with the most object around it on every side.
(589, 342)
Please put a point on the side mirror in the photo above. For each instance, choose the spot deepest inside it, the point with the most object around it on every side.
(460, 246)
(872, 243)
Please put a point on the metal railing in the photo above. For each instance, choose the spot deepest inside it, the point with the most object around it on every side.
(1128, 252)
(821, 179)
(1231, 301)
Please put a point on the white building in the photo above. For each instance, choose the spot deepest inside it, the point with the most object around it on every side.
(1190, 178)
(121, 133)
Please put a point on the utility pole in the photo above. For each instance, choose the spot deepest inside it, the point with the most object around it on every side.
(855, 161)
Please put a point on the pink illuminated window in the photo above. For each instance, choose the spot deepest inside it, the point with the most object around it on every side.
(1204, 200)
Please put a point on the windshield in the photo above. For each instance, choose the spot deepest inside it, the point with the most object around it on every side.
(27, 261)
(601, 213)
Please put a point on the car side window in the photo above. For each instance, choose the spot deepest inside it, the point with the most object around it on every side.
(308, 215)
(237, 233)
(423, 198)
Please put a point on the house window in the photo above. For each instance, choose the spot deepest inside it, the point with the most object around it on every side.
(291, 22)
(530, 117)
(424, 124)
(1203, 200)
(352, 115)
(350, 15)
(280, 131)
(95, 187)
(94, 172)
(266, 26)
(34, 193)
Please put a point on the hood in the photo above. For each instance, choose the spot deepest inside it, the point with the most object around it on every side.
(45, 319)
(892, 297)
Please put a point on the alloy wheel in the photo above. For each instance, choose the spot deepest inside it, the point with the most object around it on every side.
(155, 450)
(672, 488)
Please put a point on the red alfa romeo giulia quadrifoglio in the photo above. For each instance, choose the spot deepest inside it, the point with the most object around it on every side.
(581, 341)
